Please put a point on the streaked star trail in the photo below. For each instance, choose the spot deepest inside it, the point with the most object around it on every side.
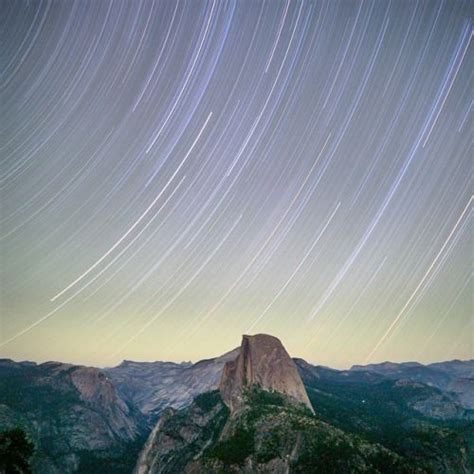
(177, 173)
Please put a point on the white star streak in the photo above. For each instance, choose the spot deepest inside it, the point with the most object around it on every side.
(142, 216)
(338, 134)
(420, 284)
(295, 271)
(183, 288)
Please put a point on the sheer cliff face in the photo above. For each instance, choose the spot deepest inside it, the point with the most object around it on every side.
(262, 361)
(97, 391)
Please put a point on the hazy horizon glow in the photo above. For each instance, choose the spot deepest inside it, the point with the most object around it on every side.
(175, 174)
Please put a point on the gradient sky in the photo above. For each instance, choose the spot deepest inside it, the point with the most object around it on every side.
(177, 173)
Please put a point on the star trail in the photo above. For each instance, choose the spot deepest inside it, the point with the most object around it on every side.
(177, 173)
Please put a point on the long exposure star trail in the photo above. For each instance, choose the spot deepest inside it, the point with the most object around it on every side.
(177, 173)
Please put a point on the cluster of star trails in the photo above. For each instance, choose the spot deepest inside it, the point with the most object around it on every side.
(177, 173)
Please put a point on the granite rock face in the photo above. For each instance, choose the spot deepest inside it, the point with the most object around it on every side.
(149, 455)
(154, 386)
(73, 415)
(262, 362)
(182, 436)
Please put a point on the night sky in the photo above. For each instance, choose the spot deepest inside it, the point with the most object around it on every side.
(175, 174)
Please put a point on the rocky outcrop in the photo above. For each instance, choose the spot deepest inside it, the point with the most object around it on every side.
(180, 437)
(150, 452)
(73, 415)
(262, 362)
(98, 392)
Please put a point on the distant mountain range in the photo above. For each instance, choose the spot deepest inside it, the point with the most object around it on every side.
(257, 417)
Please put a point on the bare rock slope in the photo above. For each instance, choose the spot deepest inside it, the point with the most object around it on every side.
(154, 386)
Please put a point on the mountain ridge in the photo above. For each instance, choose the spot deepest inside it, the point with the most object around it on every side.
(253, 423)
(123, 403)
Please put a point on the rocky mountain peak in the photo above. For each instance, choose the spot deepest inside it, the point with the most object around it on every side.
(262, 361)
